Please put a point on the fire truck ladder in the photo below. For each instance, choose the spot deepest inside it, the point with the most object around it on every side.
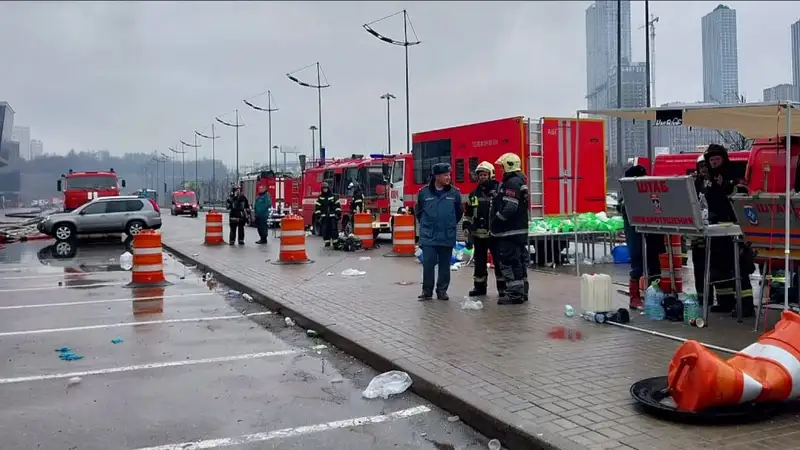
(536, 186)
(295, 195)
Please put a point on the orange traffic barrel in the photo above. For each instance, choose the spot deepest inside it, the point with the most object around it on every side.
(666, 274)
(293, 242)
(214, 228)
(767, 371)
(403, 236)
(148, 300)
(362, 228)
(675, 241)
(148, 260)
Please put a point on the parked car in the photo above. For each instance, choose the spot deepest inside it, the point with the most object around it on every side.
(184, 202)
(128, 214)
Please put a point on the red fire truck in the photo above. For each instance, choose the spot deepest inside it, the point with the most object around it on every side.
(82, 187)
(565, 165)
(284, 188)
(370, 172)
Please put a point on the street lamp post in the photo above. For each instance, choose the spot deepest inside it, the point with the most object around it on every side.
(319, 87)
(213, 138)
(388, 97)
(313, 145)
(195, 146)
(236, 126)
(174, 152)
(404, 43)
(165, 171)
(277, 149)
(269, 110)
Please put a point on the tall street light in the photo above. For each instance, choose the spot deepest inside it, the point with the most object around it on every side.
(269, 110)
(175, 152)
(213, 138)
(388, 97)
(319, 87)
(195, 146)
(236, 125)
(313, 128)
(404, 43)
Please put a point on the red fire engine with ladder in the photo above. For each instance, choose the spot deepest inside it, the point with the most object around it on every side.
(548, 147)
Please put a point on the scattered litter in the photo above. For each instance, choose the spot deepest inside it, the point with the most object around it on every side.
(233, 293)
(195, 254)
(472, 304)
(66, 354)
(330, 274)
(208, 276)
(494, 444)
(126, 261)
(454, 267)
(311, 333)
(117, 340)
(289, 322)
(453, 419)
(73, 381)
(423, 434)
(564, 333)
(353, 273)
(337, 379)
(569, 311)
(63, 349)
(386, 384)
(248, 297)
(364, 258)
(190, 267)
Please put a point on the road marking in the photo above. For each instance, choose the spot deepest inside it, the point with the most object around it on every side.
(133, 324)
(54, 275)
(293, 432)
(113, 300)
(49, 288)
(161, 365)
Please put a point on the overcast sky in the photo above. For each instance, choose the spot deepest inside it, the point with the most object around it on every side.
(140, 76)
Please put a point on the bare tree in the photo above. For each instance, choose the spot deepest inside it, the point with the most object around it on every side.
(733, 140)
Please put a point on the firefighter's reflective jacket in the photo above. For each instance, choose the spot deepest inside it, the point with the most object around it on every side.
(328, 206)
(510, 206)
(357, 205)
(478, 209)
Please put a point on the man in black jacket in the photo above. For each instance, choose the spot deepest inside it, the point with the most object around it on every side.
(239, 209)
(476, 226)
(328, 213)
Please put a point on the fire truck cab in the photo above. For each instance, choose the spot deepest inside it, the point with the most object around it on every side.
(82, 187)
(370, 172)
(282, 187)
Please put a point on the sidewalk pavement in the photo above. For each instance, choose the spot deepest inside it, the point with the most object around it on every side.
(495, 368)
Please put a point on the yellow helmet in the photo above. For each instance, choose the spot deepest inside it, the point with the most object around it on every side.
(510, 162)
(485, 166)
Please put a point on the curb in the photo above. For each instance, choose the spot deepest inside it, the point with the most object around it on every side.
(491, 421)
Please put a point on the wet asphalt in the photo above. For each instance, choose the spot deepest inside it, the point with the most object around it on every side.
(194, 367)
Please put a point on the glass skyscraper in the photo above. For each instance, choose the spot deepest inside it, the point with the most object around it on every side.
(720, 56)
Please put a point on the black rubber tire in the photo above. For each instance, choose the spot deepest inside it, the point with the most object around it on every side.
(130, 226)
(70, 235)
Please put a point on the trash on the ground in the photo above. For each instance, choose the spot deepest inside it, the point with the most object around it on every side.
(494, 444)
(564, 333)
(337, 379)
(195, 254)
(233, 293)
(68, 355)
(208, 276)
(569, 311)
(472, 304)
(248, 297)
(311, 333)
(330, 274)
(454, 267)
(386, 384)
(63, 349)
(116, 340)
(126, 261)
(353, 273)
(364, 258)
(453, 419)
(289, 322)
(73, 381)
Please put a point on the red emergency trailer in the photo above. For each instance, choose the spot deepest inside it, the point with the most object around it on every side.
(284, 188)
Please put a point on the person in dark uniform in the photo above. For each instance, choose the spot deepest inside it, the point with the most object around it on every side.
(239, 209)
(509, 227)
(719, 185)
(328, 213)
(699, 244)
(357, 205)
(476, 227)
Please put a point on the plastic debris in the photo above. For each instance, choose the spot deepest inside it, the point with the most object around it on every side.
(66, 354)
(63, 349)
(494, 444)
(472, 304)
(195, 254)
(454, 267)
(117, 340)
(126, 261)
(337, 379)
(233, 293)
(386, 384)
(330, 274)
(311, 333)
(248, 297)
(73, 381)
(353, 273)
(453, 419)
(289, 322)
(569, 311)
(364, 258)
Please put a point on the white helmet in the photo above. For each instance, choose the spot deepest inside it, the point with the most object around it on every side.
(485, 166)
(510, 162)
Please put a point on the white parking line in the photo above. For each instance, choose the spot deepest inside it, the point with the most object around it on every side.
(50, 288)
(133, 324)
(55, 275)
(185, 362)
(293, 432)
(113, 300)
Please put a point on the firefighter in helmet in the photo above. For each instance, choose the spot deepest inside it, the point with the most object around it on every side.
(357, 205)
(509, 228)
(476, 227)
(328, 213)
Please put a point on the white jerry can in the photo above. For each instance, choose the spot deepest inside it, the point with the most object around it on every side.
(596, 293)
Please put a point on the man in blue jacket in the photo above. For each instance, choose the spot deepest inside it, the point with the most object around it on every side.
(438, 211)
(263, 205)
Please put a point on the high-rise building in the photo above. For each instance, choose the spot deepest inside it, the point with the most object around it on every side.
(37, 149)
(795, 32)
(601, 48)
(634, 95)
(720, 56)
(9, 156)
(780, 92)
(681, 139)
(23, 136)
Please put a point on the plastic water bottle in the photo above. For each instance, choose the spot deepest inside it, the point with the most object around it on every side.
(126, 261)
(704, 208)
(691, 309)
(653, 302)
